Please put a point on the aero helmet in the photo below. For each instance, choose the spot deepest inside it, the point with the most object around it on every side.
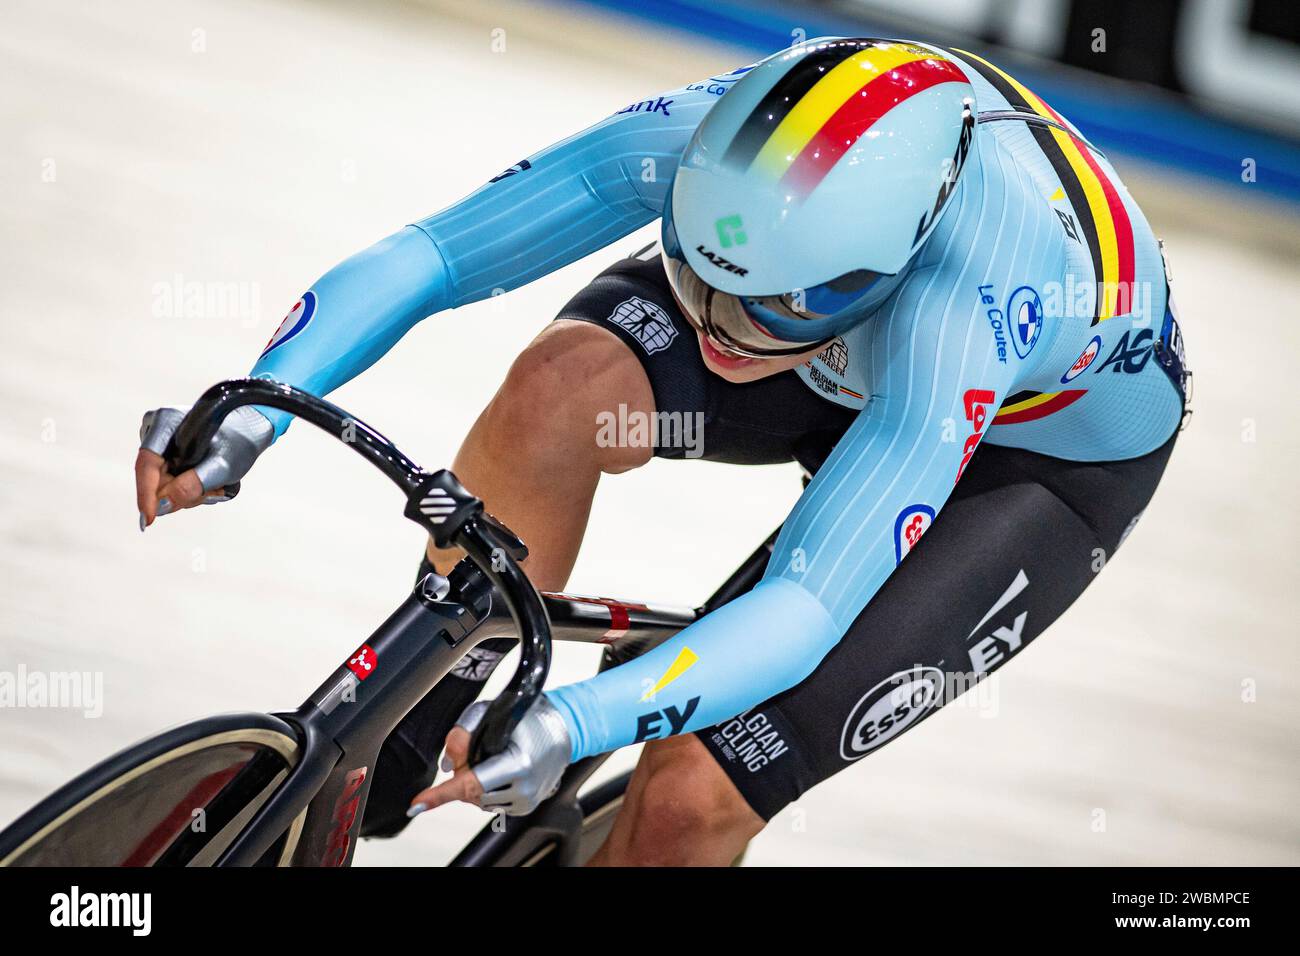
(820, 173)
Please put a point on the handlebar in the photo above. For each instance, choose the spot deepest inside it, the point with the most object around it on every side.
(436, 501)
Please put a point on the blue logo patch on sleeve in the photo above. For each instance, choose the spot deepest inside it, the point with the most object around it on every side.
(911, 523)
(1085, 359)
(1025, 315)
(299, 318)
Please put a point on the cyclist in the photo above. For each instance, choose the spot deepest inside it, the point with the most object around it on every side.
(882, 246)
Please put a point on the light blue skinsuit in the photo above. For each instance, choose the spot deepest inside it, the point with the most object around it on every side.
(999, 304)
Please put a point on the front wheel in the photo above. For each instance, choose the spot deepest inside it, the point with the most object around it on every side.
(177, 799)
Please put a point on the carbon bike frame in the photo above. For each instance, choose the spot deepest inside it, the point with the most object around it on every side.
(420, 642)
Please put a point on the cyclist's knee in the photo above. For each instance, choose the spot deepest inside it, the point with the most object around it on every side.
(687, 810)
(561, 388)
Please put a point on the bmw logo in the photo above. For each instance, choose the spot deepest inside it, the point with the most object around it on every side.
(1025, 313)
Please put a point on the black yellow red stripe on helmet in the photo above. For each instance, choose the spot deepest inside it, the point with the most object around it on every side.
(829, 97)
(1102, 218)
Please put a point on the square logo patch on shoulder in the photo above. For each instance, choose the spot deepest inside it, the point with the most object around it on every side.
(648, 324)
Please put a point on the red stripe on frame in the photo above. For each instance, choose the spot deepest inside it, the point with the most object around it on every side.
(859, 113)
(618, 621)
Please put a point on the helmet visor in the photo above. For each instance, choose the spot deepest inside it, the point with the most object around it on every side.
(766, 326)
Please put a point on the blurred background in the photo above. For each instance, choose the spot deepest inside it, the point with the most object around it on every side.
(175, 174)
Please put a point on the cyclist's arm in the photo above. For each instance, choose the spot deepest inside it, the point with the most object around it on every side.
(936, 384)
(555, 207)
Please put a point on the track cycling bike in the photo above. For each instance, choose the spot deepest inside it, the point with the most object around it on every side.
(290, 788)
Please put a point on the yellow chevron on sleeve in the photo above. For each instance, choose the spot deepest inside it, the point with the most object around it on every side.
(686, 659)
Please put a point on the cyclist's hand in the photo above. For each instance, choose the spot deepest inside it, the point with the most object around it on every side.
(244, 435)
(514, 781)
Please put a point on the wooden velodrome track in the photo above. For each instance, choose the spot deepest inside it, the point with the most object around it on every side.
(249, 146)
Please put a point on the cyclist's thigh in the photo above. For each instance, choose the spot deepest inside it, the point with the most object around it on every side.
(699, 414)
(1020, 539)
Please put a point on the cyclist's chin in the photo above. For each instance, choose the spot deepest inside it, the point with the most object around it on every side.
(738, 369)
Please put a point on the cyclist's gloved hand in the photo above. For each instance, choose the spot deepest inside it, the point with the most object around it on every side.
(244, 435)
(515, 781)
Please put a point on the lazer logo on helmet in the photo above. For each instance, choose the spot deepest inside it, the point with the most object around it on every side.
(976, 402)
(724, 264)
(731, 231)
